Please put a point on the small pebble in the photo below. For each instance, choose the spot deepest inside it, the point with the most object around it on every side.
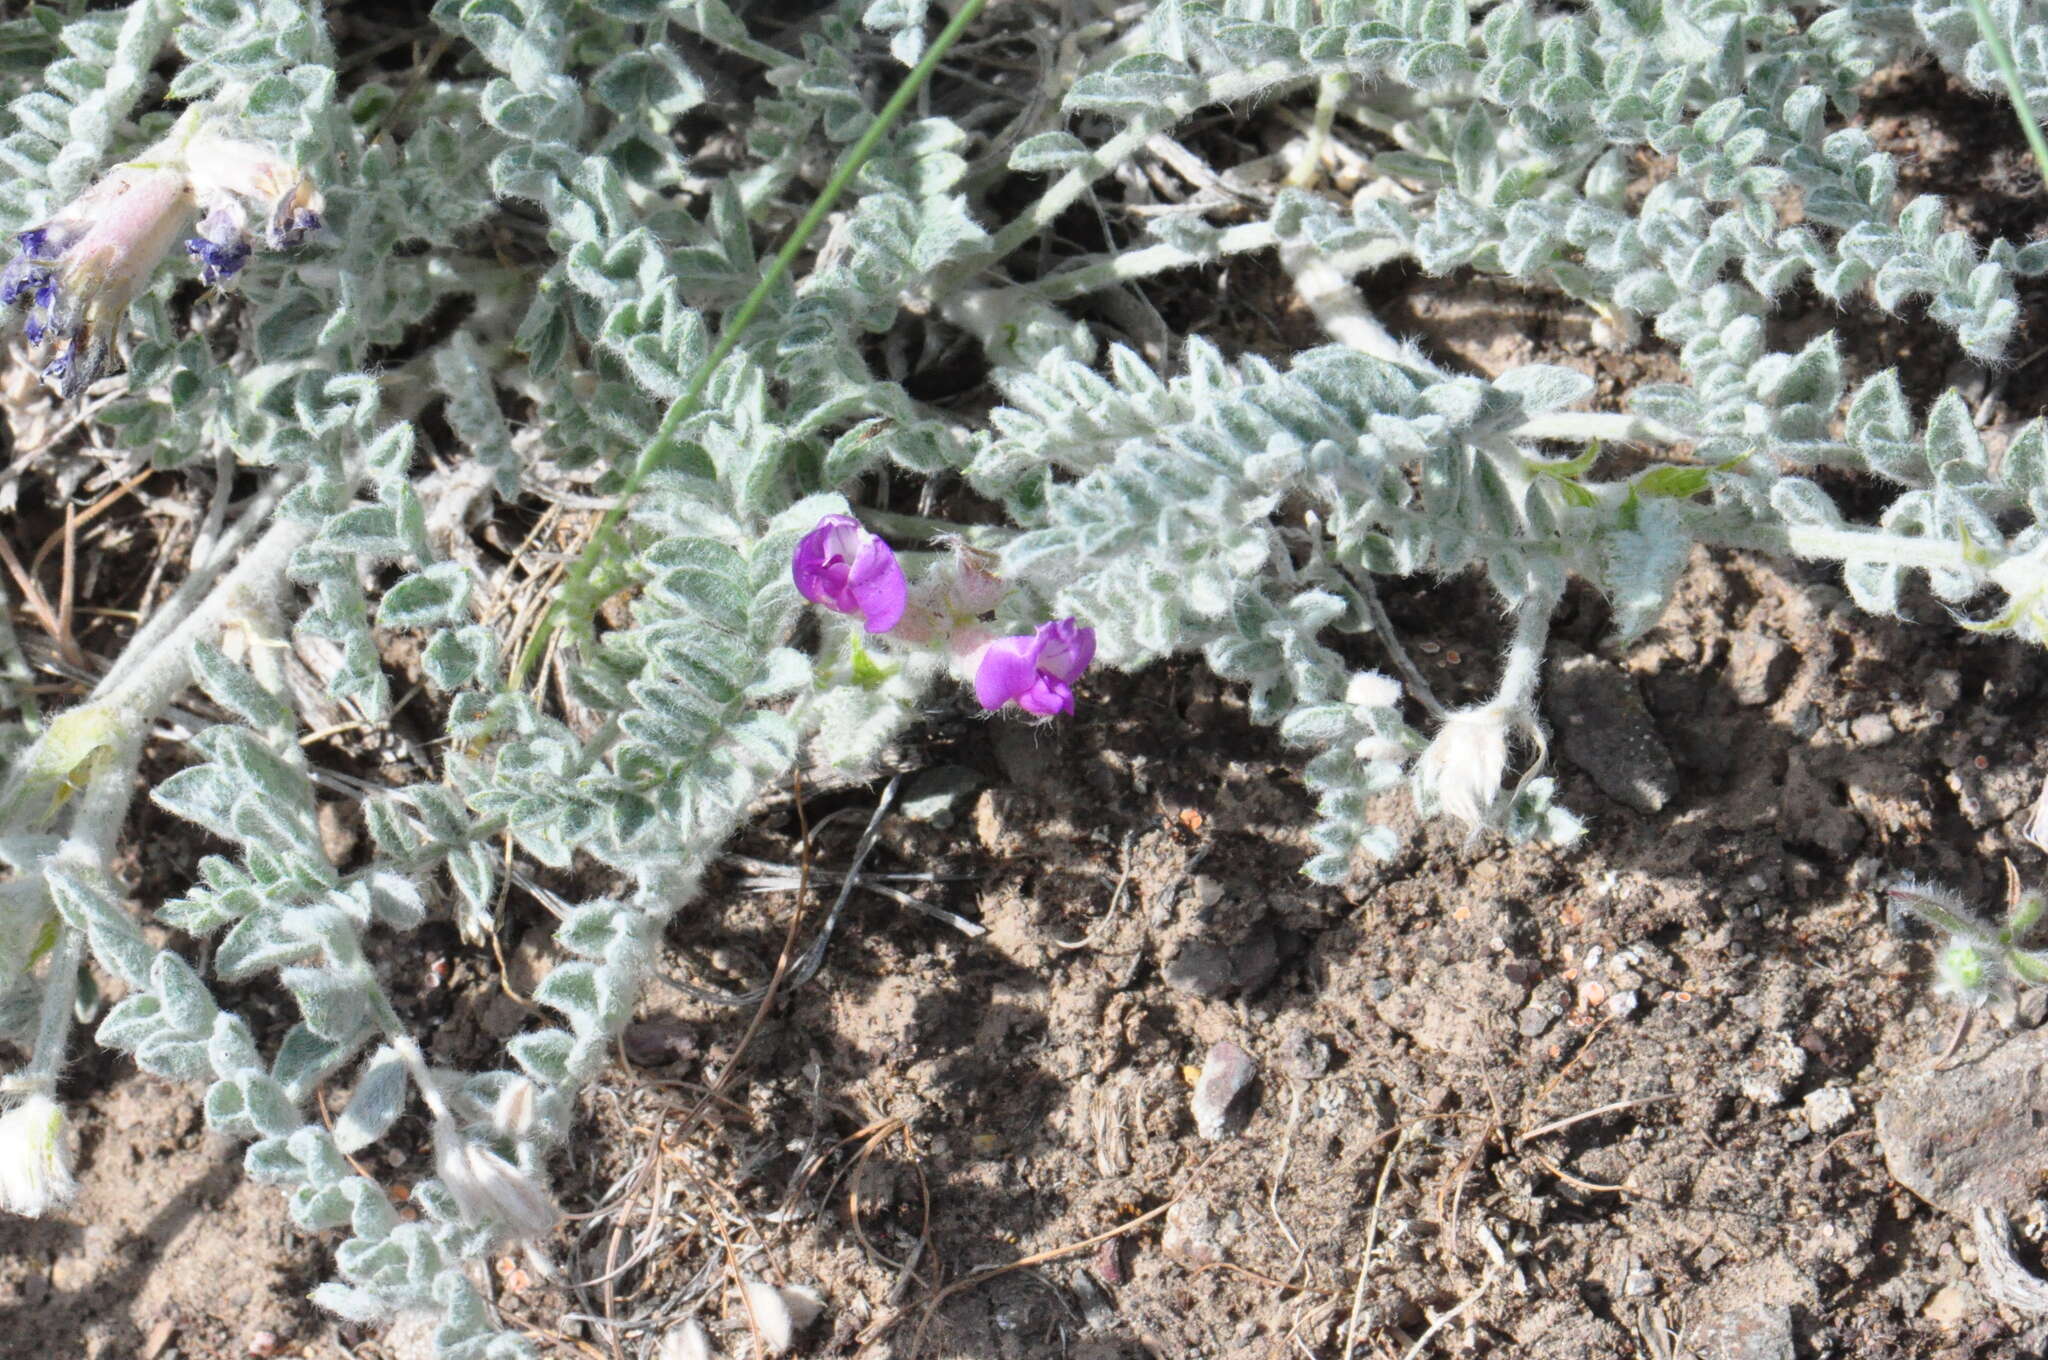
(1533, 1021)
(1872, 729)
(1623, 1004)
(1829, 1108)
(1969, 1135)
(1109, 1262)
(1190, 1231)
(1765, 1088)
(1952, 1305)
(1786, 1064)
(2032, 1011)
(651, 1043)
(1640, 1284)
(1221, 1103)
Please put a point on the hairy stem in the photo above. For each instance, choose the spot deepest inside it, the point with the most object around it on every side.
(137, 692)
(54, 1017)
(170, 618)
(1522, 663)
(1269, 79)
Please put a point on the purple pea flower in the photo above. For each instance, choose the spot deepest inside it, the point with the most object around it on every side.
(845, 568)
(1037, 669)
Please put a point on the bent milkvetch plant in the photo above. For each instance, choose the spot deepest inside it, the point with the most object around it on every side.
(527, 249)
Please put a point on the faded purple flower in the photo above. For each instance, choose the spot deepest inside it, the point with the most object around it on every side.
(79, 270)
(1037, 669)
(844, 567)
(220, 247)
(248, 196)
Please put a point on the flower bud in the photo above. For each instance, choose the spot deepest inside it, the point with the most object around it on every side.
(780, 1313)
(1965, 973)
(686, 1340)
(513, 1114)
(2027, 908)
(245, 188)
(1380, 749)
(35, 1158)
(1371, 689)
(79, 270)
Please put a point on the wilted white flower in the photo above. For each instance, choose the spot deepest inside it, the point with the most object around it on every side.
(946, 606)
(489, 1189)
(780, 1312)
(686, 1340)
(1371, 689)
(971, 585)
(82, 267)
(35, 1157)
(1463, 764)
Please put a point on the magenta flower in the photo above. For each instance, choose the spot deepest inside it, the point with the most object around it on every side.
(844, 567)
(1036, 669)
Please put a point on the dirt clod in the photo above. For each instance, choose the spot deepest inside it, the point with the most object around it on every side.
(1758, 665)
(1969, 1135)
(1829, 1108)
(1751, 1332)
(1604, 729)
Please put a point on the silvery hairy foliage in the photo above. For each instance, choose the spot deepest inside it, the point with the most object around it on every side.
(540, 239)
